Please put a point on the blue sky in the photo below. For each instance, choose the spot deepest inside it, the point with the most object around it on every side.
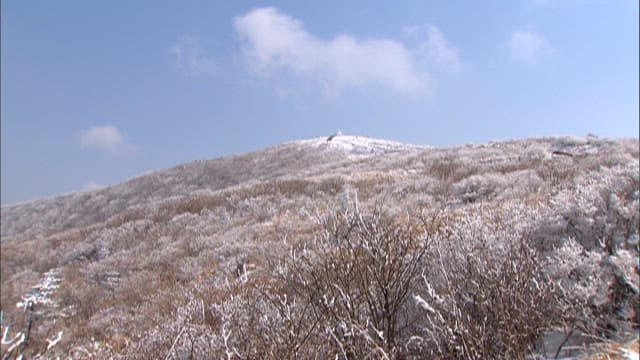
(95, 92)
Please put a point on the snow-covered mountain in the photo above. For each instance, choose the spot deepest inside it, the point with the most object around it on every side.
(144, 268)
(297, 158)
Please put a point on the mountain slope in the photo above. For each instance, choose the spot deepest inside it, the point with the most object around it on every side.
(299, 157)
(128, 269)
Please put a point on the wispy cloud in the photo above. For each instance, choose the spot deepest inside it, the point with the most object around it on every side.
(190, 57)
(274, 42)
(106, 138)
(528, 46)
(435, 47)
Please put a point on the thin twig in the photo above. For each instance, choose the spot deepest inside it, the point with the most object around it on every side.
(174, 343)
(563, 343)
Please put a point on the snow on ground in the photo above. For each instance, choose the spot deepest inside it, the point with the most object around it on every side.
(356, 145)
(41, 293)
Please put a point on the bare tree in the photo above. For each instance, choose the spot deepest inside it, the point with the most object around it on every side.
(358, 275)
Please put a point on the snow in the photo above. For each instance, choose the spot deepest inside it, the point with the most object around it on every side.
(423, 304)
(356, 145)
(40, 294)
(630, 354)
(53, 341)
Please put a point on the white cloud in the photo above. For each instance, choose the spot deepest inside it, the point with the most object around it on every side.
(528, 46)
(190, 57)
(106, 138)
(437, 49)
(274, 42)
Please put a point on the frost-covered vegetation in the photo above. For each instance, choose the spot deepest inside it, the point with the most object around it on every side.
(347, 248)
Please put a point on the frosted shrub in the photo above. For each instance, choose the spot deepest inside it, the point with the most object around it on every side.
(358, 275)
(343, 293)
(602, 211)
(485, 295)
(479, 187)
(460, 284)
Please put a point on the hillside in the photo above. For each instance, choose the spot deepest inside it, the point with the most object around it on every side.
(304, 158)
(216, 256)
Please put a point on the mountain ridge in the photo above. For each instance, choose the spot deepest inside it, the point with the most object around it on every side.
(298, 157)
(316, 142)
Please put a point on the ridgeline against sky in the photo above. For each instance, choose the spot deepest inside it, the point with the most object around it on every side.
(95, 93)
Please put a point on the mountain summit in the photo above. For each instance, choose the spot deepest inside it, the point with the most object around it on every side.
(356, 145)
